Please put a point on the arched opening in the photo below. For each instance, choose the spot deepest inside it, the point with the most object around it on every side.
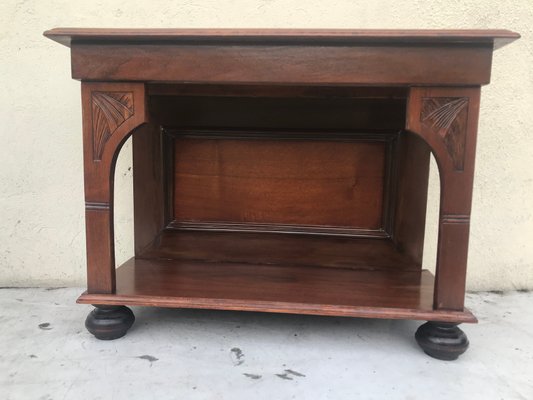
(123, 204)
(429, 260)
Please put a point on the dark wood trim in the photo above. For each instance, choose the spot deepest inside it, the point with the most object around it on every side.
(255, 91)
(277, 228)
(389, 192)
(67, 36)
(248, 134)
(168, 172)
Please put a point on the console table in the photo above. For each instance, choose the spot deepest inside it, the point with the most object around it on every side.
(282, 170)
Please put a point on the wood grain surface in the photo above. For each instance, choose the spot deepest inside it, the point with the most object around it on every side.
(284, 289)
(281, 248)
(68, 35)
(297, 182)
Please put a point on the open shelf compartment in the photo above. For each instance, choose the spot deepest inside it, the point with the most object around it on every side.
(304, 201)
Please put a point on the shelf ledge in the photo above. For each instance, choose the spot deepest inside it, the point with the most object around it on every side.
(277, 289)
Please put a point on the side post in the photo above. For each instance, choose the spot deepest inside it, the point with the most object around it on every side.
(110, 112)
(447, 119)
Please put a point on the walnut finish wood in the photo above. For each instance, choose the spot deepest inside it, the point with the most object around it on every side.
(148, 186)
(67, 36)
(366, 57)
(463, 64)
(411, 180)
(414, 92)
(265, 182)
(283, 289)
(447, 118)
(279, 248)
(111, 111)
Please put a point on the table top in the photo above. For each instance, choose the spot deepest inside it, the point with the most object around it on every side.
(67, 36)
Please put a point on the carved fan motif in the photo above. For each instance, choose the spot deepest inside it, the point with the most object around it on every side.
(448, 116)
(109, 111)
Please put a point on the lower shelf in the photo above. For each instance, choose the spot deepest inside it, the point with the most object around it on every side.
(281, 289)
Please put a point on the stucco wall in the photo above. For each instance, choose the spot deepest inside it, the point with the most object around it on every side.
(41, 194)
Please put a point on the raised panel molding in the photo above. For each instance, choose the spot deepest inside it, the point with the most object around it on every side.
(109, 111)
(448, 116)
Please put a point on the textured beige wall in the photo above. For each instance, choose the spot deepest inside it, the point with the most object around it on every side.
(41, 194)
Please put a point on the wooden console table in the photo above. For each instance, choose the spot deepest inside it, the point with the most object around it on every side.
(282, 170)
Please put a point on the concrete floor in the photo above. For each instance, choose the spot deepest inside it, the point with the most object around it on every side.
(46, 353)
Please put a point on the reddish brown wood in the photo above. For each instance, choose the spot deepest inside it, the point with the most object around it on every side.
(329, 84)
(276, 248)
(111, 111)
(280, 182)
(463, 64)
(412, 172)
(307, 56)
(284, 289)
(446, 118)
(148, 186)
(67, 36)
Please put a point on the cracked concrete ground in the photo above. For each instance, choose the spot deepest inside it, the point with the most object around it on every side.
(46, 353)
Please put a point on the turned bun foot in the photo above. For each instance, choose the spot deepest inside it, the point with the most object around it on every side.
(109, 322)
(442, 340)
